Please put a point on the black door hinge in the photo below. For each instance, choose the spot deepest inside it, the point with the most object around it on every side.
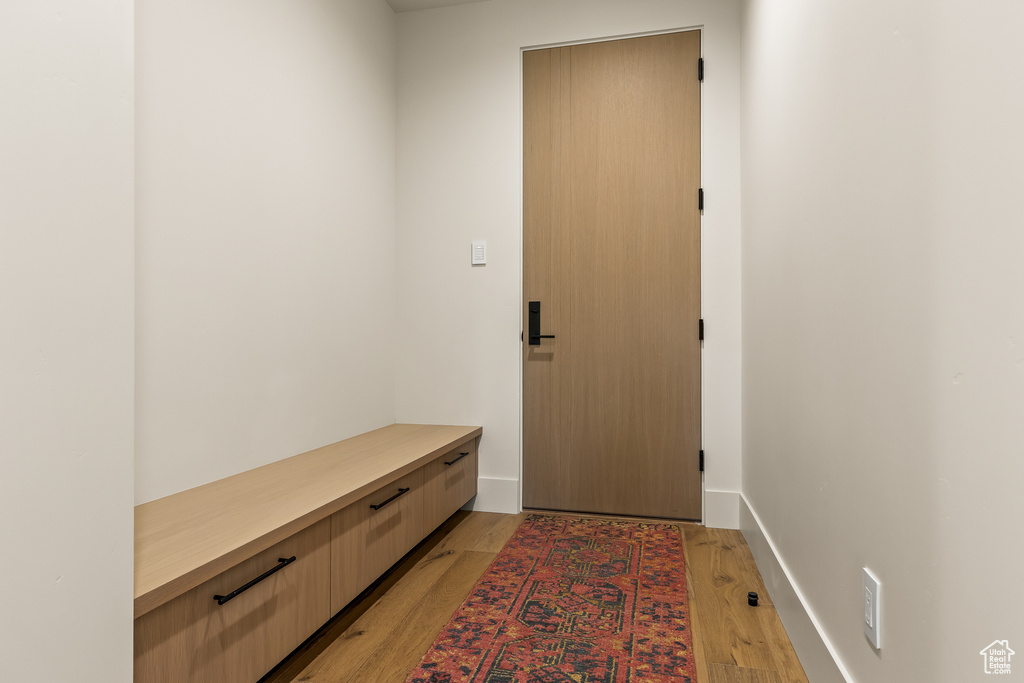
(702, 461)
(700, 69)
(700, 329)
(700, 199)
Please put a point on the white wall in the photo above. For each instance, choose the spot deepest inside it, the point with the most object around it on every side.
(66, 345)
(266, 211)
(460, 179)
(883, 331)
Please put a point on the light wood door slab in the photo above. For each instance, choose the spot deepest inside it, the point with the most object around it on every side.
(612, 252)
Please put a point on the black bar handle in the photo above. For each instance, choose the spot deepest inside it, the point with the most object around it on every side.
(282, 563)
(461, 456)
(401, 492)
(534, 325)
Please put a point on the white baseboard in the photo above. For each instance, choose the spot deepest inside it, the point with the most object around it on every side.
(495, 495)
(722, 509)
(818, 657)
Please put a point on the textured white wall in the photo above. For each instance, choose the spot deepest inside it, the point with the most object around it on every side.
(883, 331)
(266, 211)
(66, 347)
(460, 179)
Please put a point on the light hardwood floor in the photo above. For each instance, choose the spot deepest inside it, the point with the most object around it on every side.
(383, 634)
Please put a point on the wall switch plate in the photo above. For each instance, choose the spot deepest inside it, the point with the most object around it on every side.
(479, 253)
(872, 608)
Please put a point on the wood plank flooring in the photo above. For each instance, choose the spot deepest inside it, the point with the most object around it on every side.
(737, 643)
(383, 634)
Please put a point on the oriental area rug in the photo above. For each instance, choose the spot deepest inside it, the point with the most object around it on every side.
(572, 600)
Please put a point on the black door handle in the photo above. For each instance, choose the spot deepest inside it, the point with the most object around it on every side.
(534, 325)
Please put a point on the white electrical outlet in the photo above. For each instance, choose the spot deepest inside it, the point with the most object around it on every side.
(872, 611)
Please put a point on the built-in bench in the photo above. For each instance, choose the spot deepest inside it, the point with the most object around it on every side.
(315, 529)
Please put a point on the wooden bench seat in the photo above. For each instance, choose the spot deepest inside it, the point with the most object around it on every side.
(226, 530)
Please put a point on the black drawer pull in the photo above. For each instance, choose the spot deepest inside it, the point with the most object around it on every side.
(378, 506)
(282, 563)
(461, 456)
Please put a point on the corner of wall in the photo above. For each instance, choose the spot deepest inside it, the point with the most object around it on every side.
(722, 509)
(496, 495)
(815, 651)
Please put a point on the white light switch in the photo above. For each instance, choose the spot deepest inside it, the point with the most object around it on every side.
(872, 609)
(479, 253)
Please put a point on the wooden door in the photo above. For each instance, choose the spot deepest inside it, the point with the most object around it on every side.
(612, 254)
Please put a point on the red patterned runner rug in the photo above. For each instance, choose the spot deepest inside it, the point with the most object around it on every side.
(572, 600)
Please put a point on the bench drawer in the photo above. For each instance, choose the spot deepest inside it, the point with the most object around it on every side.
(372, 534)
(450, 483)
(193, 638)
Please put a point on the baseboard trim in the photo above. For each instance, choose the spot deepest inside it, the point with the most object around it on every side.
(722, 509)
(820, 661)
(495, 495)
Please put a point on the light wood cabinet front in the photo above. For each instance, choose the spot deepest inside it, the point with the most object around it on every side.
(193, 638)
(450, 481)
(366, 541)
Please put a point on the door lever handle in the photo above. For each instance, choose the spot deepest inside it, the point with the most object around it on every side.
(534, 324)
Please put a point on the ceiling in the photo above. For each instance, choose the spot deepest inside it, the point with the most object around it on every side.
(413, 5)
